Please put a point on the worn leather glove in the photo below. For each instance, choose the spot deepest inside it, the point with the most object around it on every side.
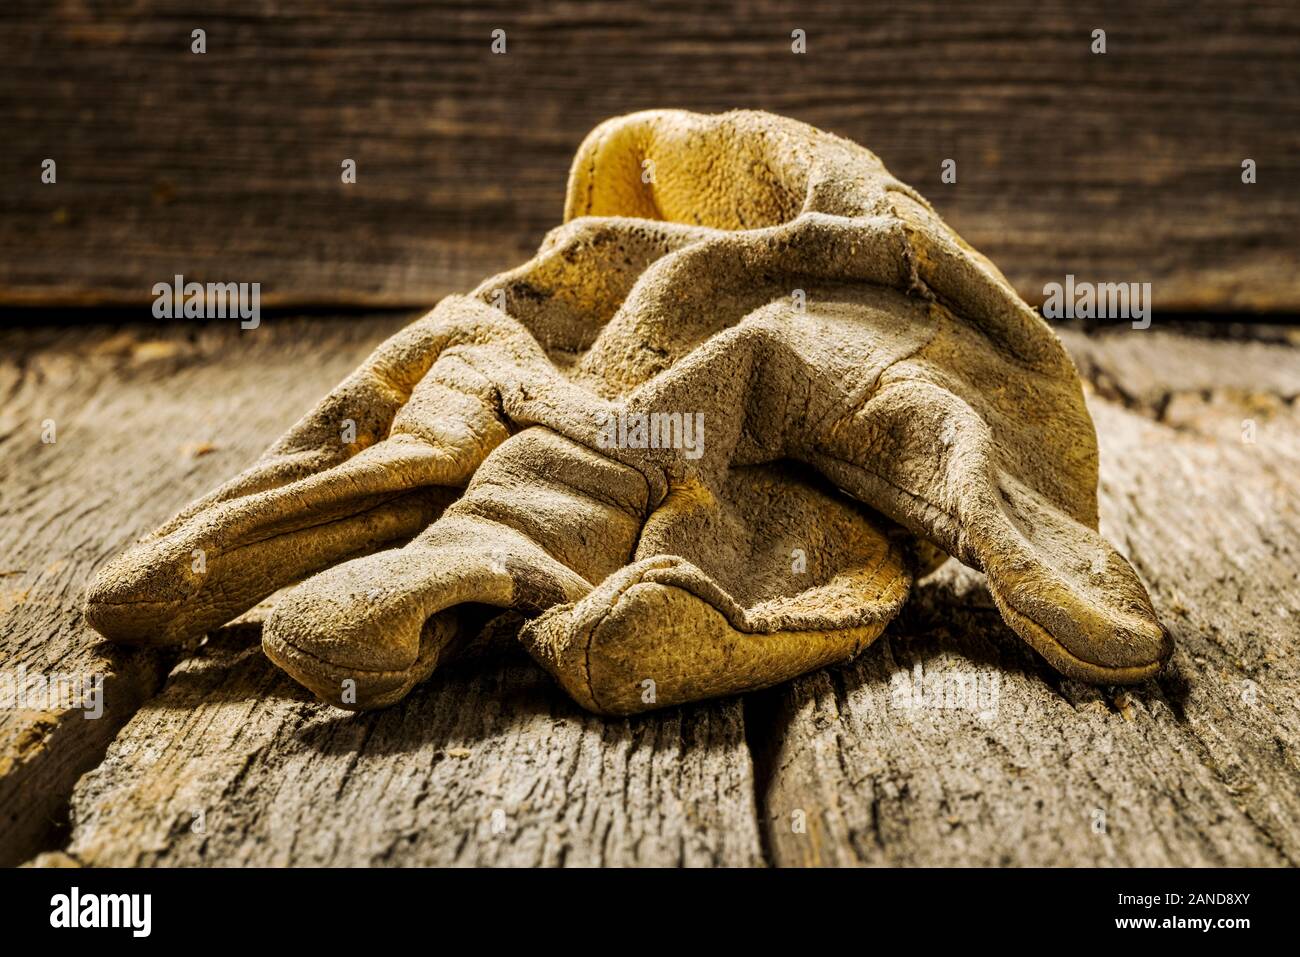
(544, 519)
(746, 269)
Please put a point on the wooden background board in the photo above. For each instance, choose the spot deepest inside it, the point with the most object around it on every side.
(226, 166)
(490, 763)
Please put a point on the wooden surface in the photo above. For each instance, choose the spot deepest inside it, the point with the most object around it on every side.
(226, 166)
(213, 757)
(144, 421)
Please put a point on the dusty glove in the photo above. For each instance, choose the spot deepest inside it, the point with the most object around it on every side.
(545, 517)
(813, 309)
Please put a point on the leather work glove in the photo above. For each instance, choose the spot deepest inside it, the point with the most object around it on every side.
(543, 520)
(769, 284)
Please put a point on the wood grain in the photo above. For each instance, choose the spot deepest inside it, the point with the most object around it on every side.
(487, 764)
(144, 419)
(226, 166)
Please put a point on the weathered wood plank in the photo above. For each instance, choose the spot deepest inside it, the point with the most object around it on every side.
(144, 419)
(226, 166)
(487, 764)
(1149, 369)
(490, 764)
(1198, 768)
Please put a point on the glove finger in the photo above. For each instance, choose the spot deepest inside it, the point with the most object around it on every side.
(220, 563)
(543, 519)
(938, 468)
(258, 534)
(774, 576)
(354, 416)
